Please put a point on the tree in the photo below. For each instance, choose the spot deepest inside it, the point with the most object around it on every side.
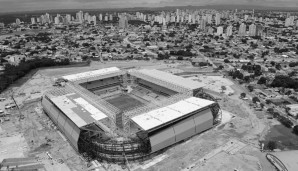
(285, 121)
(285, 82)
(278, 66)
(295, 129)
(221, 67)
(246, 78)
(128, 46)
(226, 61)
(268, 101)
(180, 58)
(270, 110)
(250, 88)
(271, 145)
(251, 57)
(262, 80)
(223, 88)
(255, 99)
(243, 95)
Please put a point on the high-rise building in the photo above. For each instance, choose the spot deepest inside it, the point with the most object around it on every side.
(172, 19)
(230, 30)
(246, 17)
(209, 18)
(94, 19)
(219, 30)
(33, 20)
(18, 21)
(123, 22)
(100, 17)
(86, 16)
(189, 18)
(57, 21)
(177, 19)
(210, 30)
(252, 30)
(203, 24)
(68, 18)
(242, 30)
(80, 16)
(178, 12)
(217, 19)
(259, 30)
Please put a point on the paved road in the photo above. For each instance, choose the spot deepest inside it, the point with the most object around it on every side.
(206, 58)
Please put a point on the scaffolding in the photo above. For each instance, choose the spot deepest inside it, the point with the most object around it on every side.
(215, 108)
(99, 77)
(113, 151)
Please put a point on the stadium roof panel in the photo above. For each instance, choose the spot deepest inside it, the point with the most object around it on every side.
(80, 111)
(169, 113)
(168, 77)
(89, 74)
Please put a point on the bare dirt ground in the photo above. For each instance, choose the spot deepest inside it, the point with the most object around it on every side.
(214, 83)
(36, 134)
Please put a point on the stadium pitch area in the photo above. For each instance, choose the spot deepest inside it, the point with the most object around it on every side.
(124, 102)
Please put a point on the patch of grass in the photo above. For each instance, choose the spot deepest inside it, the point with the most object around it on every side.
(283, 136)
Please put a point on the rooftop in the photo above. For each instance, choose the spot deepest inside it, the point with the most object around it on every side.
(79, 110)
(95, 73)
(169, 113)
(167, 77)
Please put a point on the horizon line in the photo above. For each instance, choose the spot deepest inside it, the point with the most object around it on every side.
(243, 6)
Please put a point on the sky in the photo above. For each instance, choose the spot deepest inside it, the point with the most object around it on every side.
(31, 5)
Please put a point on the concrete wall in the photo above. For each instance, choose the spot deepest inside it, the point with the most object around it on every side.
(70, 130)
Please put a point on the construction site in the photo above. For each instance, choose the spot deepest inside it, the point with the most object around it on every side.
(134, 119)
(118, 116)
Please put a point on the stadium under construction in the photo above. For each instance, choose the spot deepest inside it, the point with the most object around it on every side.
(118, 115)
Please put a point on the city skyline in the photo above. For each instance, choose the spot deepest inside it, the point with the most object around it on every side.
(31, 5)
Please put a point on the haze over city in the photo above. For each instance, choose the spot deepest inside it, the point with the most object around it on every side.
(31, 5)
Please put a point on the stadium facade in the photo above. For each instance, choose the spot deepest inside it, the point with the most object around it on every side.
(117, 115)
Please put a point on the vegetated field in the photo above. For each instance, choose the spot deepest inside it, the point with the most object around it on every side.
(283, 136)
(124, 102)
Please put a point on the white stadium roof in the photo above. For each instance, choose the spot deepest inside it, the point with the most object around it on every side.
(169, 113)
(77, 109)
(168, 77)
(95, 73)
